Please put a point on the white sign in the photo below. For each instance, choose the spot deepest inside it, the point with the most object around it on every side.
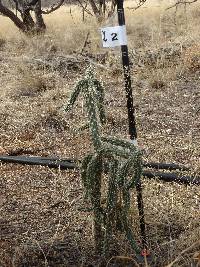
(114, 36)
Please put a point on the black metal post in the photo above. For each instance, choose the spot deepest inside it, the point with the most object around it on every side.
(127, 77)
(131, 118)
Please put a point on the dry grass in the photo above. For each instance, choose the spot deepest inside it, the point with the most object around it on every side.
(41, 221)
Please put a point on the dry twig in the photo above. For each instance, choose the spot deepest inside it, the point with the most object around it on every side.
(183, 252)
(181, 2)
(141, 3)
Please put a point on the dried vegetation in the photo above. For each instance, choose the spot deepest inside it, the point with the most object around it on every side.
(42, 222)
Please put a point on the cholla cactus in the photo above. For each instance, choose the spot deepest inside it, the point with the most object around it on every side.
(119, 159)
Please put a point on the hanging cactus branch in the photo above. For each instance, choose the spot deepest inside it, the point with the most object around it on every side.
(100, 102)
(74, 96)
(93, 93)
(119, 159)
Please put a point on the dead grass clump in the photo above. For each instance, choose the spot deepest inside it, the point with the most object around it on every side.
(157, 84)
(49, 253)
(33, 84)
(191, 58)
(38, 45)
(141, 32)
(159, 78)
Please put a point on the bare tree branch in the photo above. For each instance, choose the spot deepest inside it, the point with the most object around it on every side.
(141, 3)
(53, 8)
(94, 8)
(183, 252)
(181, 2)
(11, 15)
(84, 7)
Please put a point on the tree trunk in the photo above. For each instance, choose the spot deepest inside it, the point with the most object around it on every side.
(28, 21)
(40, 25)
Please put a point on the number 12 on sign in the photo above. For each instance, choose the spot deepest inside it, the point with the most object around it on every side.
(114, 36)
